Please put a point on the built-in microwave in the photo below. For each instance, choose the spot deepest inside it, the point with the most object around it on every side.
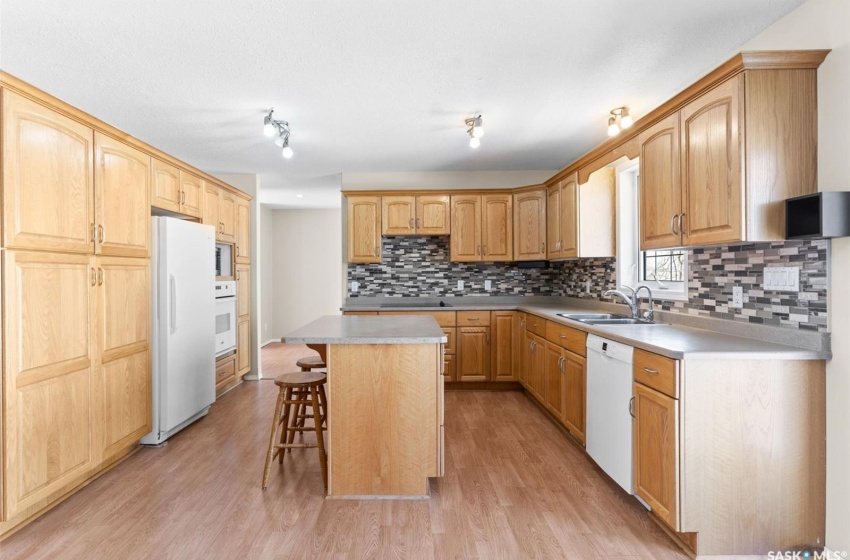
(223, 260)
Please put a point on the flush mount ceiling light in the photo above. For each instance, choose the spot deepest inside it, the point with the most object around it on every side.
(272, 127)
(619, 120)
(475, 130)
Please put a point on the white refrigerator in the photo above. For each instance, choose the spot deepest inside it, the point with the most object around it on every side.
(183, 319)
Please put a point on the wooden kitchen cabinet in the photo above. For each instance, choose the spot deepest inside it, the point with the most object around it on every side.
(416, 215)
(581, 219)
(225, 374)
(535, 365)
(243, 230)
(211, 202)
(191, 194)
(364, 229)
(165, 186)
(553, 382)
(48, 180)
(243, 291)
(466, 228)
(227, 215)
(398, 215)
(497, 231)
(122, 198)
(243, 347)
(122, 387)
(433, 214)
(553, 222)
(656, 452)
(575, 393)
(522, 351)
(569, 222)
(505, 361)
(719, 169)
(473, 353)
(530, 225)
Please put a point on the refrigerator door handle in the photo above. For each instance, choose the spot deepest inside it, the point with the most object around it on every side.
(172, 315)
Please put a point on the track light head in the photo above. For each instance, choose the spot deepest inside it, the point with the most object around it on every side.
(268, 125)
(613, 128)
(475, 130)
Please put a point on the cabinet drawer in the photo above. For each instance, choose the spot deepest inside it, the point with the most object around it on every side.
(473, 318)
(449, 367)
(225, 369)
(572, 339)
(659, 372)
(536, 325)
(444, 318)
(451, 342)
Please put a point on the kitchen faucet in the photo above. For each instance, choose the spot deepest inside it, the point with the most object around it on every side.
(634, 301)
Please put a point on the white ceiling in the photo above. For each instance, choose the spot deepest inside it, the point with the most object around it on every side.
(369, 85)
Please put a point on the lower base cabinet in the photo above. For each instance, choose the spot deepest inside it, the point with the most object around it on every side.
(243, 347)
(473, 354)
(225, 373)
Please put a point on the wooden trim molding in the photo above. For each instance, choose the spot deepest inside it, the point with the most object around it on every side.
(31, 92)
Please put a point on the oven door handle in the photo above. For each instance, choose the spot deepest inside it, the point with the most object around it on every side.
(172, 311)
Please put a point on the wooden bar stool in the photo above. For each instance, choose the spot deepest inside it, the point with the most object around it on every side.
(307, 363)
(295, 389)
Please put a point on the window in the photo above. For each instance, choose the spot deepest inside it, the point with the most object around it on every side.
(664, 271)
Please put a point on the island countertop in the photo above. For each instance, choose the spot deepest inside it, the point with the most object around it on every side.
(400, 329)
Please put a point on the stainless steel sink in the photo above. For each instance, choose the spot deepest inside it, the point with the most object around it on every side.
(605, 319)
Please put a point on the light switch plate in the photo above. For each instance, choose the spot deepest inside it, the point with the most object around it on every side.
(355, 286)
(781, 279)
(488, 285)
(737, 297)
(460, 284)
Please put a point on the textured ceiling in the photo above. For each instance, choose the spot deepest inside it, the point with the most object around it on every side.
(370, 85)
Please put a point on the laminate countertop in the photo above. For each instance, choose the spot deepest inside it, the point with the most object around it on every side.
(397, 329)
(674, 341)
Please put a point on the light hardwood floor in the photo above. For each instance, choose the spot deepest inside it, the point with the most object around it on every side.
(514, 488)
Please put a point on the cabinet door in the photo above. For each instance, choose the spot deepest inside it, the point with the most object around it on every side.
(538, 368)
(191, 194)
(466, 228)
(553, 222)
(656, 427)
(243, 291)
(48, 363)
(575, 392)
(712, 193)
(122, 388)
(48, 186)
(530, 226)
(243, 230)
(497, 228)
(227, 215)
(433, 214)
(398, 215)
(473, 354)
(504, 345)
(165, 186)
(122, 198)
(553, 382)
(660, 185)
(364, 229)
(243, 347)
(211, 208)
(570, 216)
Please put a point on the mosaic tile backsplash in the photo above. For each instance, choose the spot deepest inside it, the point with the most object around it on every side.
(420, 266)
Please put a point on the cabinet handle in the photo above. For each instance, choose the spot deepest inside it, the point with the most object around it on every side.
(673, 224)
(542, 247)
(562, 336)
(376, 250)
(485, 249)
(473, 318)
(418, 223)
(632, 407)
(650, 370)
(93, 233)
(182, 197)
(93, 276)
(561, 364)
(99, 276)
(522, 323)
(100, 235)
(478, 250)
(411, 223)
(237, 249)
(681, 217)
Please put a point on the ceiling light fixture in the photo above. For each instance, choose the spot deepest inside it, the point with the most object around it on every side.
(281, 128)
(619, 120)
(475, 130)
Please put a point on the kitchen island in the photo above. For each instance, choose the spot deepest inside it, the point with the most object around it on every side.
(385, 403)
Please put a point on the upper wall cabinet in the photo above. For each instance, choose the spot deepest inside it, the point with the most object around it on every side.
(122, 198)
(191, 194)
(165, 186)
(718, 170)
(481, 228)
(227, 215)
(210, 213)
(416, 215)
(581, 219)
(364, 229)
(530, 225)
(48, 183)
(243, 230)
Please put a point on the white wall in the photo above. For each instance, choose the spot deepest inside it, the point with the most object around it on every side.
(820, 24)
(266, 272)
(443, 180)
(305, 253)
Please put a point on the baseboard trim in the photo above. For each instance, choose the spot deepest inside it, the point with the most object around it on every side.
(269, 341)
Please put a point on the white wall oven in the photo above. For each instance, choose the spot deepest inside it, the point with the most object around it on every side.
(225, 317)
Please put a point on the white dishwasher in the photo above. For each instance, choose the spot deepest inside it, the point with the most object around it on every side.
(609, 419)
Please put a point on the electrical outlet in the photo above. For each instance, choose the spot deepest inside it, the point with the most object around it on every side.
(355, 286)
(488, 285)
(460, 284)
(737, 297)
(587, 286)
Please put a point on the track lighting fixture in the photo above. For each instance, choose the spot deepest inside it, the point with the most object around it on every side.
(475, 130)
(272, 127)
(620, 114)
